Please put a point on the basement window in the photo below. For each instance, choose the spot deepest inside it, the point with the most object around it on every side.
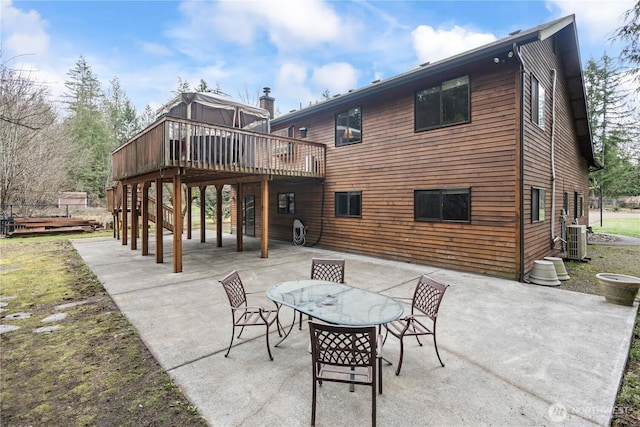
(348, 203)
(286, 203)
(442, 205)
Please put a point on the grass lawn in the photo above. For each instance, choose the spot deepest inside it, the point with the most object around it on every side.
(88, 367)
(622, 226)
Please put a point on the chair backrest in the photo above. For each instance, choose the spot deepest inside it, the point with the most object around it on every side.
(331, 270)
(234, 289)
(428, 295)
(351, 346)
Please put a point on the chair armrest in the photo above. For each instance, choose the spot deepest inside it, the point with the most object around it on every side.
(253, 308)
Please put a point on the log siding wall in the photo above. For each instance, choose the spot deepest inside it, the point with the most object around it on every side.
(571, 168)
(393, 160)
(483, 155)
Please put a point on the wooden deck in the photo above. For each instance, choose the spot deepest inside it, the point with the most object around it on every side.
(209, 152)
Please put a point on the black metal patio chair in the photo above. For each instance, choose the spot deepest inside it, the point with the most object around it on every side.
(346, 354)
(245, 315)
(424, 307)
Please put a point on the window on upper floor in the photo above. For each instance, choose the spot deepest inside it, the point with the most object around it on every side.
(537, 204)
(443, 105)
(537, 102)
(286, 203)
(349, 127)
(348, 203)
(442, 205)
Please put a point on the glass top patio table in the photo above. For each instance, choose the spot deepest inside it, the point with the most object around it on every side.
(336, 303)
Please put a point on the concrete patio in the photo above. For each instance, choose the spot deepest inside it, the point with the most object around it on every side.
(515, 353)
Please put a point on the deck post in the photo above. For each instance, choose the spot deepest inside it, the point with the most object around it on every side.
(177, 223)
(264, 240)
(239, 218)
(134, 217)
(189, 212)
(145, 218)
(125, 213)
(219, 215)
(159, 222)
(203, 221)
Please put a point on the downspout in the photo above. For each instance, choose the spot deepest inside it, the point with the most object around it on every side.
(553, 159)
(518, 55)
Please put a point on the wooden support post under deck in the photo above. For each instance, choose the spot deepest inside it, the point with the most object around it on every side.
(264, 240)
(134, 217)
(125, 213)
(203, 221)
(145, 218)
(189, 204)
(239, 218)
(159, 222)
(219, 215)
(177, 223)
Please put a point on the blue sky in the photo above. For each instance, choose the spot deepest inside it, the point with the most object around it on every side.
(298, 48)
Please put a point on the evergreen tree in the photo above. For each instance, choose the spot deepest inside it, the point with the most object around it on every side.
(86, 127)
(120, 113)
(630, 33)
(203, 87)
(147, 117)
(612, 131)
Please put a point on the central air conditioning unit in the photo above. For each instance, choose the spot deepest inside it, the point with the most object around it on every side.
(577, 242)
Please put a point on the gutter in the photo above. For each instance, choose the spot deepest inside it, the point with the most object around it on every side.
(518, 55)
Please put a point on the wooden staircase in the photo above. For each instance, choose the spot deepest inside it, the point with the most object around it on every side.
(114, 197)
(167, 214)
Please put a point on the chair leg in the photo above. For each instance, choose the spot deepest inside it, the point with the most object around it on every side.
(373, 405)
(268, 348)
(233, 333)
(241, 331)
(401, 354)
(313, 404)
(435, 344)
(380, 375)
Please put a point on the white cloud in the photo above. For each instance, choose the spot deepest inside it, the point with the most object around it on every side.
(290, 88)
(287, 25)
(433, 44)
(23, 33)
(597, 21)
(156, 49)
(338, 77)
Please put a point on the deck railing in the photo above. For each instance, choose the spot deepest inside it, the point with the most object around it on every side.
(173, 142)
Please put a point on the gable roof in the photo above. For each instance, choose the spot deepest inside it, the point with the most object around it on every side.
(564, 29)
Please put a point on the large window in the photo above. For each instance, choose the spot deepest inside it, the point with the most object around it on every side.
(443, 105)
(349, 127)
(446, 205)
(537, 102)
(349, 203)
(537, 204)
(286, 203)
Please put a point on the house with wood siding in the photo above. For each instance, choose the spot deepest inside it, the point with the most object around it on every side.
(475, 163)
